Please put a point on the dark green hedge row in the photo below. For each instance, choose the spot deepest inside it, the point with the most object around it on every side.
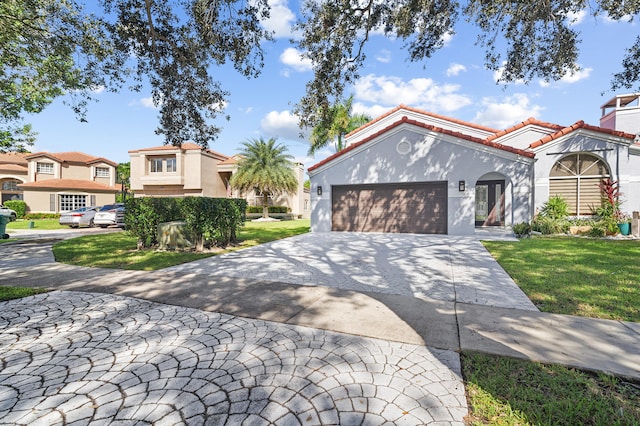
(272, 209)
(18, 205)
(216, 220)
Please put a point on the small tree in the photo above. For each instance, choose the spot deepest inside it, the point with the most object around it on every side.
(266, 167)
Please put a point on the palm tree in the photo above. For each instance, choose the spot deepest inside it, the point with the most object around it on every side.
(337, 122)
(266, 167)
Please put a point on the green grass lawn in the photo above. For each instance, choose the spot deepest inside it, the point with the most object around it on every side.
(8, 293)
(576, 276)
(118, 249)
(507, 391)
(38, 224)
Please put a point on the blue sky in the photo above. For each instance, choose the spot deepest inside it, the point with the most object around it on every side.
(453, 82)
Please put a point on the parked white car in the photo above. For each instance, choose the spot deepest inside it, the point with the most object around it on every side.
(79, 217)
(111, 214)
(6, 211)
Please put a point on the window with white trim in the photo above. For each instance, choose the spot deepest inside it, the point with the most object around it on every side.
(70, 202)
(576, 178)
(155, 165)
(102, 172)
(10, 185)
(171, 165)
(44, 168)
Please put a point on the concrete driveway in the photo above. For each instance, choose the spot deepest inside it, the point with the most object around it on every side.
(452, 269)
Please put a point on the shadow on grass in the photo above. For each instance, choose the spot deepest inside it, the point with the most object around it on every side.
(509, 391)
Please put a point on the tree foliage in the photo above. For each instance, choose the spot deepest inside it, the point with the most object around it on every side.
(334, 124)
(266, 167)
(50, 48)
(522, 39)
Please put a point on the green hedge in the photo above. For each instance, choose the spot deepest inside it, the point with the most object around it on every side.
(214, 220)
(18, 205)
(272, 209)
(30, 216)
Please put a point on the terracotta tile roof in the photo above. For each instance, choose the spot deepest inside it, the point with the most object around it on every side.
(188, 146)
(14, 158)
(71, 157)
(527, 122)
(231, 160)
(579, 125)
(14, 168)
(404, 120)
(86, 185)
(427, 113)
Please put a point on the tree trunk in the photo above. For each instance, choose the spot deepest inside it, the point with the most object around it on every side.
(265, 205)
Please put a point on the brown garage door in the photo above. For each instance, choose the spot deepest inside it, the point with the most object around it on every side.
(419, 208)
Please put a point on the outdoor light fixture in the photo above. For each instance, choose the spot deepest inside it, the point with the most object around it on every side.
(319, 190)
(461, 185)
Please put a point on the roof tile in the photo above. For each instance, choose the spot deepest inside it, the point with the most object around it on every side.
(579, 125)
(87, 185)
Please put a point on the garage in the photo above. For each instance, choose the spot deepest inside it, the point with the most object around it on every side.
(417, 207)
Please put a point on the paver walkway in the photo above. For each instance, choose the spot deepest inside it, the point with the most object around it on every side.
(78, 358)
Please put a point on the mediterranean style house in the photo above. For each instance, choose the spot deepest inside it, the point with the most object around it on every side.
(57, 182)
(189, 170)
(418, 172)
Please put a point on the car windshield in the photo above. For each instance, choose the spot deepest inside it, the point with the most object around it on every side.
(109, 207)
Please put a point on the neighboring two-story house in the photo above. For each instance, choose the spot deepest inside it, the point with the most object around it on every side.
(63, 181)
(189, 170)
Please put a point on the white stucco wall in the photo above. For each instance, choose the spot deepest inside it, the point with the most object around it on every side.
(432, 157)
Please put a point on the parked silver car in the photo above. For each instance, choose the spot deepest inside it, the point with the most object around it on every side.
(111, 214)
(79, 217)
(6, 211)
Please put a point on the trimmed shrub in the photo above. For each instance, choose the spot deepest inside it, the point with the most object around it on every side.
(546, 225)
(18, 205)
(272, 209)
(212, 220)
(30, 216)
(522, 229)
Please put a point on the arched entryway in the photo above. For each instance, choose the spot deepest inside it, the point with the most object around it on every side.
(491, 200)
(576, 178)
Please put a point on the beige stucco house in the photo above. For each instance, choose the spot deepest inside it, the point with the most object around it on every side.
(189, 170)
(57, 182)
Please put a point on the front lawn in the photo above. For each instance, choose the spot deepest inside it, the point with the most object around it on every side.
(508, 391)
(118, 249)
(595, 278)
(37, 224)
(8, 293)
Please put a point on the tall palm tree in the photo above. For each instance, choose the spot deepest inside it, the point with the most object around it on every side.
(266, 167)
(337, 122)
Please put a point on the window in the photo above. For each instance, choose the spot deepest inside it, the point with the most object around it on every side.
(72, 202)
(156, 165)
(102, 172)
(45, 168)
(171, 165)
(10, 185)
(576, 178)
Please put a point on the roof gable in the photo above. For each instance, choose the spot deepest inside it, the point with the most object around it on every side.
(187, 146)
(406, 120)
(580, 125)
(70, 157)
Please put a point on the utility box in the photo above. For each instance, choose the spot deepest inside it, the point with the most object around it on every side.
(173, 236)
(635, 224)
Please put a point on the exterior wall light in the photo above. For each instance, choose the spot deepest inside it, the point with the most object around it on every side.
(461, 185)
(319, 190)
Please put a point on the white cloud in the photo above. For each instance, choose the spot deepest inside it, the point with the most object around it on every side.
(503, 113)
(570, 78)
(424, 93)
(281, 19)
(281, 125)
(293, 58)
(455, 69)
(384, 56)
(96, 90)
(371, 111)
(144, 102)
(576, 18)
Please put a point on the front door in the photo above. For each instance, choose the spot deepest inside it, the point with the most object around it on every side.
(490, 203)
